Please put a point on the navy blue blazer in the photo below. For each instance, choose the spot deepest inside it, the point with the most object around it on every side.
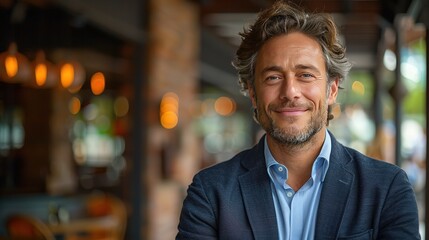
(361, 198)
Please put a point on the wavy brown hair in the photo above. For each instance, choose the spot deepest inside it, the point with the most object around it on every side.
(282, 18)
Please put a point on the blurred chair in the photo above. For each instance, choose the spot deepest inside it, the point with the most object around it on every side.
(24, 227)
(106, 205)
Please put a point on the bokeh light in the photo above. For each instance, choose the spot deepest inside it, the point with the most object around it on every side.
(98, 83)
(121, 106)
(169, 110)
(358, 88)
(224, 106)
(67, 75)
(41, 74)
(11, 66)
(74, 105)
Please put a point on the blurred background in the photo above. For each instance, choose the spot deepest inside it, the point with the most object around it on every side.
(108, 108)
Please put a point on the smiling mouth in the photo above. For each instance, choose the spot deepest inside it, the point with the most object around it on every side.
(291, 111)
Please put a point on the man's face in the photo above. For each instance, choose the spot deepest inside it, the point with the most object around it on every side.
(290, 89)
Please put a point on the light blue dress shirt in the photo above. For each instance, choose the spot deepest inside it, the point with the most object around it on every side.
(296, 211)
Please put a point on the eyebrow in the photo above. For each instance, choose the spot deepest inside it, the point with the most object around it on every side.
(276, 68)
(305, 67)
(271, 68)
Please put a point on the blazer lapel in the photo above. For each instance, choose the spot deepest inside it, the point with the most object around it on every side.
(256, 190)
(335, 194)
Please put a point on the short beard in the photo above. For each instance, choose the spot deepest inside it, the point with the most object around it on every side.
(298, 139)
(295, 138)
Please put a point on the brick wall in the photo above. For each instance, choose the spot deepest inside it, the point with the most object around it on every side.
(173, 154)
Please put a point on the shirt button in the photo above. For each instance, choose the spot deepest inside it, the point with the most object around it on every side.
(280, 169)
(289, 194)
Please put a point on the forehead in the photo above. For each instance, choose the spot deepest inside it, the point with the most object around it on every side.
(292, 48)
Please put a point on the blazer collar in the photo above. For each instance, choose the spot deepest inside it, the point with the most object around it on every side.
(258, 202)
(256, 190)
(335, 193)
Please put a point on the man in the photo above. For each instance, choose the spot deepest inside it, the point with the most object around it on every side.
(298, 182)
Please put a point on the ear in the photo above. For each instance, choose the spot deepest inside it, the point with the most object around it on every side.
(333, 91)
(252, 96)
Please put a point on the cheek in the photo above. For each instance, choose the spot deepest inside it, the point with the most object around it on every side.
(317, 95)
(267, 98)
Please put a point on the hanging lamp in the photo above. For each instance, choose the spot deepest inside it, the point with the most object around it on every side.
(14, 67)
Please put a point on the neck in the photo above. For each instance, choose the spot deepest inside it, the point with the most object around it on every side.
(297, 158)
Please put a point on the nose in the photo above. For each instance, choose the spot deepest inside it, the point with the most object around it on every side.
(290, 89)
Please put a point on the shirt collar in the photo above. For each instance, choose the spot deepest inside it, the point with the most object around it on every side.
(321, 160)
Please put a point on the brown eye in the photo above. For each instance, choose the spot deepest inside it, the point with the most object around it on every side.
(271, 79)
(307, 75)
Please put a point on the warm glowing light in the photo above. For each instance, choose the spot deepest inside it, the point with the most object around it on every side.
(170, 96)
(98, 83)
(358, 88)
(224, 106)
(14, 67)
(11, 66)
(169, 120)
(41, 74)
(121, 106)
(72, 76)
(74, 105)
(169, 110)
(44, 73)
(169, 106)
(67, 75)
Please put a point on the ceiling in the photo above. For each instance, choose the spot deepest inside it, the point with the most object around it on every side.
(360, 22)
